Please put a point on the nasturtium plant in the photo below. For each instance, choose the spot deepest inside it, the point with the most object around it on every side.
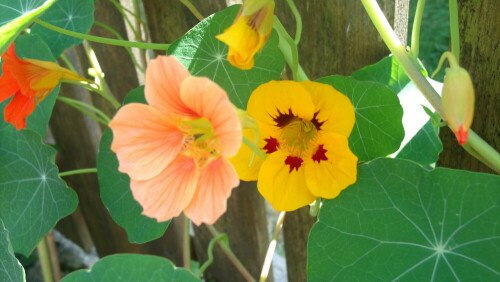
(386, 71)
(402, 222)
(425, 147)
(132, 267)
(115, 189)
(203, 55)
(10, 268)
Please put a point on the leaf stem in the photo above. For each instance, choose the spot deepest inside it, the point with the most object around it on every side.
(210, 252)
(124, 43)
(45, 261)
(254, 148)
(230, 255)
(412, 70)
(89, 87)
(298, 21)
(186, 244)
(78, 171)
(193, 9)
(289, 50)
(313, 211)
(272, 247)
(454, 29)
(99, 116)
(415, 33)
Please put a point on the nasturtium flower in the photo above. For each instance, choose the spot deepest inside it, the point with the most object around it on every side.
(29, 81)
(249, 32)
(175, 148)
(304, 127)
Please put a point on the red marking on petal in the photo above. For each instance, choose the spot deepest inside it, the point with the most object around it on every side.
(284, 119)
(316, 122)
(320, 154)
(293, 162)
(271, 145)
(462, 135)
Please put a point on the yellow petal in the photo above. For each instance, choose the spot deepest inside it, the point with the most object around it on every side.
(275, 101)
(331, 171)
(334, 109)
(286, 190)
(246, 162)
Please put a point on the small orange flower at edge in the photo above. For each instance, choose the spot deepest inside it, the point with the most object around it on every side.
(304, 129)
(29, 81)
(249, 32)
(175, 149)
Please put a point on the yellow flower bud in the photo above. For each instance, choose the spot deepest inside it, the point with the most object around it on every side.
(458, 100)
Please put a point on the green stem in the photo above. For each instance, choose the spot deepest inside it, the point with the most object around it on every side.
(289, 50)
(154, 46)
(272, 247)
(254, 148)
(186, 244)
(313, 211)
(78, 171)
(122, 11)
(298, 21)
(412, 70)
(45, 261)
(454, 29)
(210, 252)
(193, 9)
(103, 94)
(99, 116)
(230, 255)
(415, 33)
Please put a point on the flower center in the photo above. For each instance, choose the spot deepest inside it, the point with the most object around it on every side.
(201, 142)
(297, 135)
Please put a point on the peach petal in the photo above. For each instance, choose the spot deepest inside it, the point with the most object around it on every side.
(167, 194)
(164, 76)
(208, 100)
(217, 180)
(145, 141)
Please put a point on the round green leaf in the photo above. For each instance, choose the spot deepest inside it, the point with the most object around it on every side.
(17, 15)
(32, 195)
(425, 147)
(74, 15)
(400, 222)
(10, 268)
(204, 55)
(378, 130)
(131, 267)
(115, 190)
(386, 71)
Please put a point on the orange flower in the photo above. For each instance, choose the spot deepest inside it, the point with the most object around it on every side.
(29, 81)
(175, 149)
(249, 32)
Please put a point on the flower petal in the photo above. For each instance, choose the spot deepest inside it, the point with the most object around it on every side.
(168, 193)
(286, 190)
(205, 98)
(18, 109)
(276, 99)
(246, 162)
(145, 141)
(8, 86)
(333, 108)
(217, 180)
(326, 178)
(164, 76)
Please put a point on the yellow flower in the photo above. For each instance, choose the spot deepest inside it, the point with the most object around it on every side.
(304, 127)
(249, 32)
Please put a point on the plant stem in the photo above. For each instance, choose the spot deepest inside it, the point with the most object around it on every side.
(68, 63)
(454, 30)
(298, 21)
(210, 253)
(186, 244)
(78, 171)
(412, 70)
(193, 9)
(272, 247)
(124, 43)
(89, 87)
(230, 255)
(415, 33)
(82, 107)
(289, 50)
(313, 211)
(45, 262)
(254, 148)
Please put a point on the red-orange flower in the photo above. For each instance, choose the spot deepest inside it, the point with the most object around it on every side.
(29, 81)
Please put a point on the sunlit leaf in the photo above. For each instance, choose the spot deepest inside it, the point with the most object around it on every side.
(10, 268)
(131, 267)
(115, 190)
(400, 222)
(204, 55)
(386, 71)
(425, 147)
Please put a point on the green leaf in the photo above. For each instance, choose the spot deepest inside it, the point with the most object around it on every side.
(74, 15)
(32, 195)
(17, 15)
(425, 147)
(378, 130)
(115, 190)
(204, 55)
(131, 267)
(386, 71)
(10, 268)
(400, 222)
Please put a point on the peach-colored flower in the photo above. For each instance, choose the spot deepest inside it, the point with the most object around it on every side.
(175, 149)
